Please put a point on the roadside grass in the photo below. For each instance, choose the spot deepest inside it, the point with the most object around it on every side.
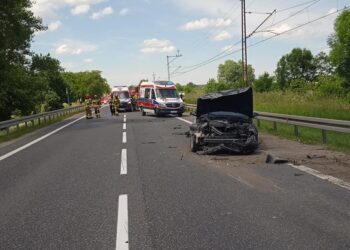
(335, 141)
(22, 130)
(303, 104)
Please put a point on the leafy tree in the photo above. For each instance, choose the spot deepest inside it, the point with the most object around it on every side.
(213, 86)
(179, 87)
(17, 27)
(50, 71)
(298, 64)
(340, 46)
(281, 73)
(86, 83)
(264, 83)
(231, 73)
(189, 87)
(323, 65)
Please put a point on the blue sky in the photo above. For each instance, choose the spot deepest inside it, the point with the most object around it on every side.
(129, 40)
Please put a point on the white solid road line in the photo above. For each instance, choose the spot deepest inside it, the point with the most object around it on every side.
(329, 178)
(184, 120)
(124, 126)
(310, 171)
(3, 157)
(123, 162)
(124, 137)
(123, 224)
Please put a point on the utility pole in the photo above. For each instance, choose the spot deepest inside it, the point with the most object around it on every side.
(154, 77)
(169, 62)
(244, 45)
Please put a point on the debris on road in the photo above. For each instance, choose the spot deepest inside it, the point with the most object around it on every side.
(272, 159)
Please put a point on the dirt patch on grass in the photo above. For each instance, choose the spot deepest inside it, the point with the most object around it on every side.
(314, 156)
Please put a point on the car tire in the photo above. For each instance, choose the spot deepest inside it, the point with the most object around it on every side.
(156, 112)
(180, 114)
(193, 143)
(143, 112)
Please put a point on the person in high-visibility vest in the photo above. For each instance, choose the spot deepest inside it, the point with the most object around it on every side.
(116, 104)
(96, 102)
(111, 105)
(88, 107)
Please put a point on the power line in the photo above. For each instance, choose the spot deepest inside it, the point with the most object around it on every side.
(264, 40)
(238, 42)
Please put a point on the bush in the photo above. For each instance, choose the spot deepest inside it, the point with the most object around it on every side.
(264, 83)
(52, 101)
(330, 86)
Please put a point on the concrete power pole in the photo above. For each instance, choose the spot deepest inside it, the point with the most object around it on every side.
(244, 46)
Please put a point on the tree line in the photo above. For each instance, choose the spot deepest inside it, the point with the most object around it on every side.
(299, 70)
(30, 82)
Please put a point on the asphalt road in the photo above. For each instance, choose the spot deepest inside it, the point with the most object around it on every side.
(75, 189)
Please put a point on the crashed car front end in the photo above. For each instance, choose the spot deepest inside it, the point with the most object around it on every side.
(224, 123)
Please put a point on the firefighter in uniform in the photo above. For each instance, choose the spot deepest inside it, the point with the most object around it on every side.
(88, 107)
(116, 104)
(111, 106)
(97, 105)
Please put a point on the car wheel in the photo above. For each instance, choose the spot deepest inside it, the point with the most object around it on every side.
(156, 112)
(180, 114)
(143, 112)
(193, 143)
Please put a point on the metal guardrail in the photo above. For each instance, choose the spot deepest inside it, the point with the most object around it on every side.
(41, 117)
(324, 125)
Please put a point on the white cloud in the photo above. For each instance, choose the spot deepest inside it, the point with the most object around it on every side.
(210, 7)
(104, 12)
(207, 23)
(155, 45)
(71, 47)
(49, 8)
(124, 12)
(80, 9)
(53, 26)
(223, 35)
(88, 60)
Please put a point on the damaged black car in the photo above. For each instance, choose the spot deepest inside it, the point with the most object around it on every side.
(224, 123)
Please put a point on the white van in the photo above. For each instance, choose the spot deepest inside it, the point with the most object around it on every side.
(159, 98)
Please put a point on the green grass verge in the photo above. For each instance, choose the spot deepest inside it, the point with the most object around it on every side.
(335, 141)
(16, 133)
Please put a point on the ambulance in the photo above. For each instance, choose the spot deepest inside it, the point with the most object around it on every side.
(159, 98)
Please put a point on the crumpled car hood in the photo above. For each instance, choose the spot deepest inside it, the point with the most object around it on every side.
(238, 101)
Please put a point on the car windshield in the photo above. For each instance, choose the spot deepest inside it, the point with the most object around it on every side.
(123, 95)
(167, 93)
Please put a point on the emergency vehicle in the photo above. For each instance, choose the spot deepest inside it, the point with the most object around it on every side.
(159, 98)
(124, 97)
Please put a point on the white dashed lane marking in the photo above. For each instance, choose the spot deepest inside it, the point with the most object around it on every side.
(124, 137)
(122, 224)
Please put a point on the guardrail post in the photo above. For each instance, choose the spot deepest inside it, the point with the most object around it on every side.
(17, 127)
(274, 125)
(7, 130)
(26, 124)
(39, 122)
(296, 130)
(258, 122)
(324, 136)
(33, 123)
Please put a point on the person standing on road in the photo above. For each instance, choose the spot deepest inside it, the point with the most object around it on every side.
(88, 107)
(97, 105)
(116, 103)
(111, 105)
